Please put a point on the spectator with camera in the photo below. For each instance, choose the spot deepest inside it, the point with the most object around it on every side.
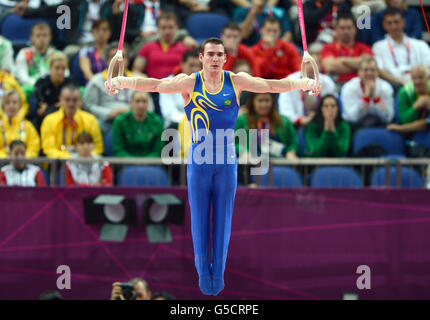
(136, 289)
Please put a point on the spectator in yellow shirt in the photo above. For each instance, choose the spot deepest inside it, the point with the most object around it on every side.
(7, 81)
(60, 129)
(13, 127)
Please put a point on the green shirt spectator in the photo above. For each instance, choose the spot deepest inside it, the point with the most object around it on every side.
(137, 133)
(327, 135)
(262, 114)
(414, 97)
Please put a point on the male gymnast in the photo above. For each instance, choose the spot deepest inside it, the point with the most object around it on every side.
(211, 99)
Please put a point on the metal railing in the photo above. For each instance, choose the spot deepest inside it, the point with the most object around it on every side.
(305, 168)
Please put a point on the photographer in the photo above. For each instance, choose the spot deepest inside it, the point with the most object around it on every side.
(136, 289)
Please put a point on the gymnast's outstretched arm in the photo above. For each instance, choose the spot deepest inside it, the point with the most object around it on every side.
(244, 81)
(181, 83)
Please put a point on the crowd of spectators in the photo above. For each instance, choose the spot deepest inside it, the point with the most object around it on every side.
(376, 77)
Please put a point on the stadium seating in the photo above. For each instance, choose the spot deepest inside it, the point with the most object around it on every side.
(283, 177)
(409, 178)
(143, 176)
(391, 142)
(205, 25)
(422, 138)
(335, 177)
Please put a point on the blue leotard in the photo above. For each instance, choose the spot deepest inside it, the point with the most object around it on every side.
(212, 184)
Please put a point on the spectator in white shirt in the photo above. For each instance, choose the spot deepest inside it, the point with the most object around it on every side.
(299, 107)
(397, 53)
(172, 105)
(367, 100)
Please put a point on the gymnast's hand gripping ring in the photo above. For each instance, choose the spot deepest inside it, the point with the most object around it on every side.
(307, 58)
(116, 59)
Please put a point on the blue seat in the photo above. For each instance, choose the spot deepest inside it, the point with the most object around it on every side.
(108, 144)
(422, 138)
(391, 142)
(17, 29)
(205, 25)
(143, 176)
(76, 71)
(282, 177)
(409, 178)
(335, 177)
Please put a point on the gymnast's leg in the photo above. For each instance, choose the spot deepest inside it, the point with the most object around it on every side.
(224, 191)
(199, 178)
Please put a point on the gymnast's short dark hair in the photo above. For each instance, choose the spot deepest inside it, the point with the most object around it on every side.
(210, 40)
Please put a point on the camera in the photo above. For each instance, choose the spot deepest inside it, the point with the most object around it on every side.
(128, 291)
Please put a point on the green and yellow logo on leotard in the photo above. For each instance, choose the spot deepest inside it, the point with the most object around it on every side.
(227, 102)
(201, 102)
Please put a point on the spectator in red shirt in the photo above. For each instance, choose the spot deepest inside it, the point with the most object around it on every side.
(20, 173)
(236, 50)
(87, 173)
(276, 58)
(342, 57)
(158, 59)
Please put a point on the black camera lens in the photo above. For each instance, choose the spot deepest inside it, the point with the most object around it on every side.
(128, 291)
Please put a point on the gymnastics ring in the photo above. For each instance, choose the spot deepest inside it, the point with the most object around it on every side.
(307, 58)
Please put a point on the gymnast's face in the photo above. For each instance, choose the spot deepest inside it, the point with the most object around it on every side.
(263, 104)
(213, 57)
